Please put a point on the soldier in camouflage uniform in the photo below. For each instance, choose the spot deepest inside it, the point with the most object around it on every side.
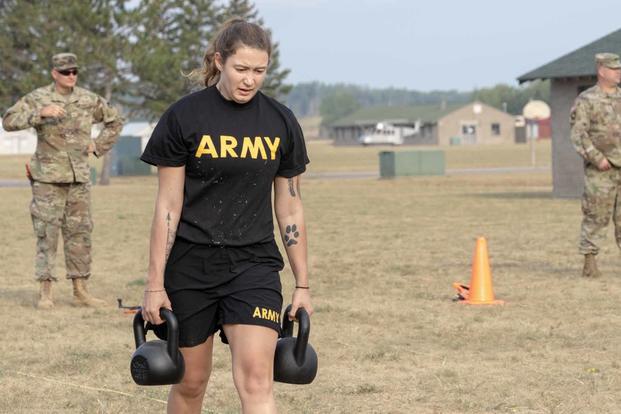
(596, 135)
(63, 114)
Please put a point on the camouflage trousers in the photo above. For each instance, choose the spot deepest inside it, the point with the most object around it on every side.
(601, 201)
(62, 208)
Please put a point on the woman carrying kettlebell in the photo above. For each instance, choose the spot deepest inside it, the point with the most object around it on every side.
(213, 257)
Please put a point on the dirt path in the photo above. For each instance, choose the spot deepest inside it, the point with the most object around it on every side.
(14, 183)
(344, 175)
(452, 171)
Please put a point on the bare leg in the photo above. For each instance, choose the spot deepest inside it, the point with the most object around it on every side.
(252, 350)
(187, 396)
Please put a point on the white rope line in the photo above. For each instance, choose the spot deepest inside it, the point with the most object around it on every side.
(87, 387)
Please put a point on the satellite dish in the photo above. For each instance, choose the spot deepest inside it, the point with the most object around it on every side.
(536, 110)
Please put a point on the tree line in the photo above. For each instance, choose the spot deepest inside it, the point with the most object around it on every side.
(135, 53)
(333, 102)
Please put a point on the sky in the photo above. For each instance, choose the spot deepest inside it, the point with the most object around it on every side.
(430, 44)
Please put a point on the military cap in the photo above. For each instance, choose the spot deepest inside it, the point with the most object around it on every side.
(609, 60)
(63, 61)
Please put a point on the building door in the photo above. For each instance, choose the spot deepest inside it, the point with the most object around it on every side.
(468, 133)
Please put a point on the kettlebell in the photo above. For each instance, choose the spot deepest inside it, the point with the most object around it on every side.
(157, 362)
(295, 361)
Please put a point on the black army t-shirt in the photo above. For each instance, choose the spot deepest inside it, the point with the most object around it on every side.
(231, 153)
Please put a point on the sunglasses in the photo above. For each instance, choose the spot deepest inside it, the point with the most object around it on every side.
(68, 72)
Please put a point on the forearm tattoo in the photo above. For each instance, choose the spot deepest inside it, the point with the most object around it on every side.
(170, 235)
(291, 235)
(291, 189)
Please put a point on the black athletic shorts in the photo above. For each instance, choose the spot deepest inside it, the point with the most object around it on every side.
(209, 287)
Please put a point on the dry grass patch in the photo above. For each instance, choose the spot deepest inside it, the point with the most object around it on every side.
(383, 255)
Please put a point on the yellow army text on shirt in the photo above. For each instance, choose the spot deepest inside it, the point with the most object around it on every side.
(62, 143)
(596, 126)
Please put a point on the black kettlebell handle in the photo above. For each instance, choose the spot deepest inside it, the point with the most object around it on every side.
(173, 332)
(299, 351)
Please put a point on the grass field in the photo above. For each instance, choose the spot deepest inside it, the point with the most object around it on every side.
(383, 255)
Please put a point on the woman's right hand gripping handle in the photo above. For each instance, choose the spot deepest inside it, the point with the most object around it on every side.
(153, 301)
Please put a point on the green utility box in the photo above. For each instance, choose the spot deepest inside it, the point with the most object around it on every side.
(93, 175)
(411, 163)
(125, 157)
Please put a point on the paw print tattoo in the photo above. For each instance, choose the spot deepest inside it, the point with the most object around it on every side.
(291, 234)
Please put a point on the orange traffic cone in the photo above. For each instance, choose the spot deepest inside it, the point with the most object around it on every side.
(480, 291)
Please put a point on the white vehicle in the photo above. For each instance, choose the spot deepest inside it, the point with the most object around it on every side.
(387, 134)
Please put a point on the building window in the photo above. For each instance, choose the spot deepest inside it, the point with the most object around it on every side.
(495, 129)
(468, 129)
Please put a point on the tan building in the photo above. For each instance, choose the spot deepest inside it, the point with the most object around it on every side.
(463, 124)
(476, 123)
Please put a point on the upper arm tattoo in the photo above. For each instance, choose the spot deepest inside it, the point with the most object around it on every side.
(170, 235)
(294, 187)
(291, 189)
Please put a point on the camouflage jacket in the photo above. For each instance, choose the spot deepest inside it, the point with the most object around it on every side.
(62, 143)
(596, 126)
